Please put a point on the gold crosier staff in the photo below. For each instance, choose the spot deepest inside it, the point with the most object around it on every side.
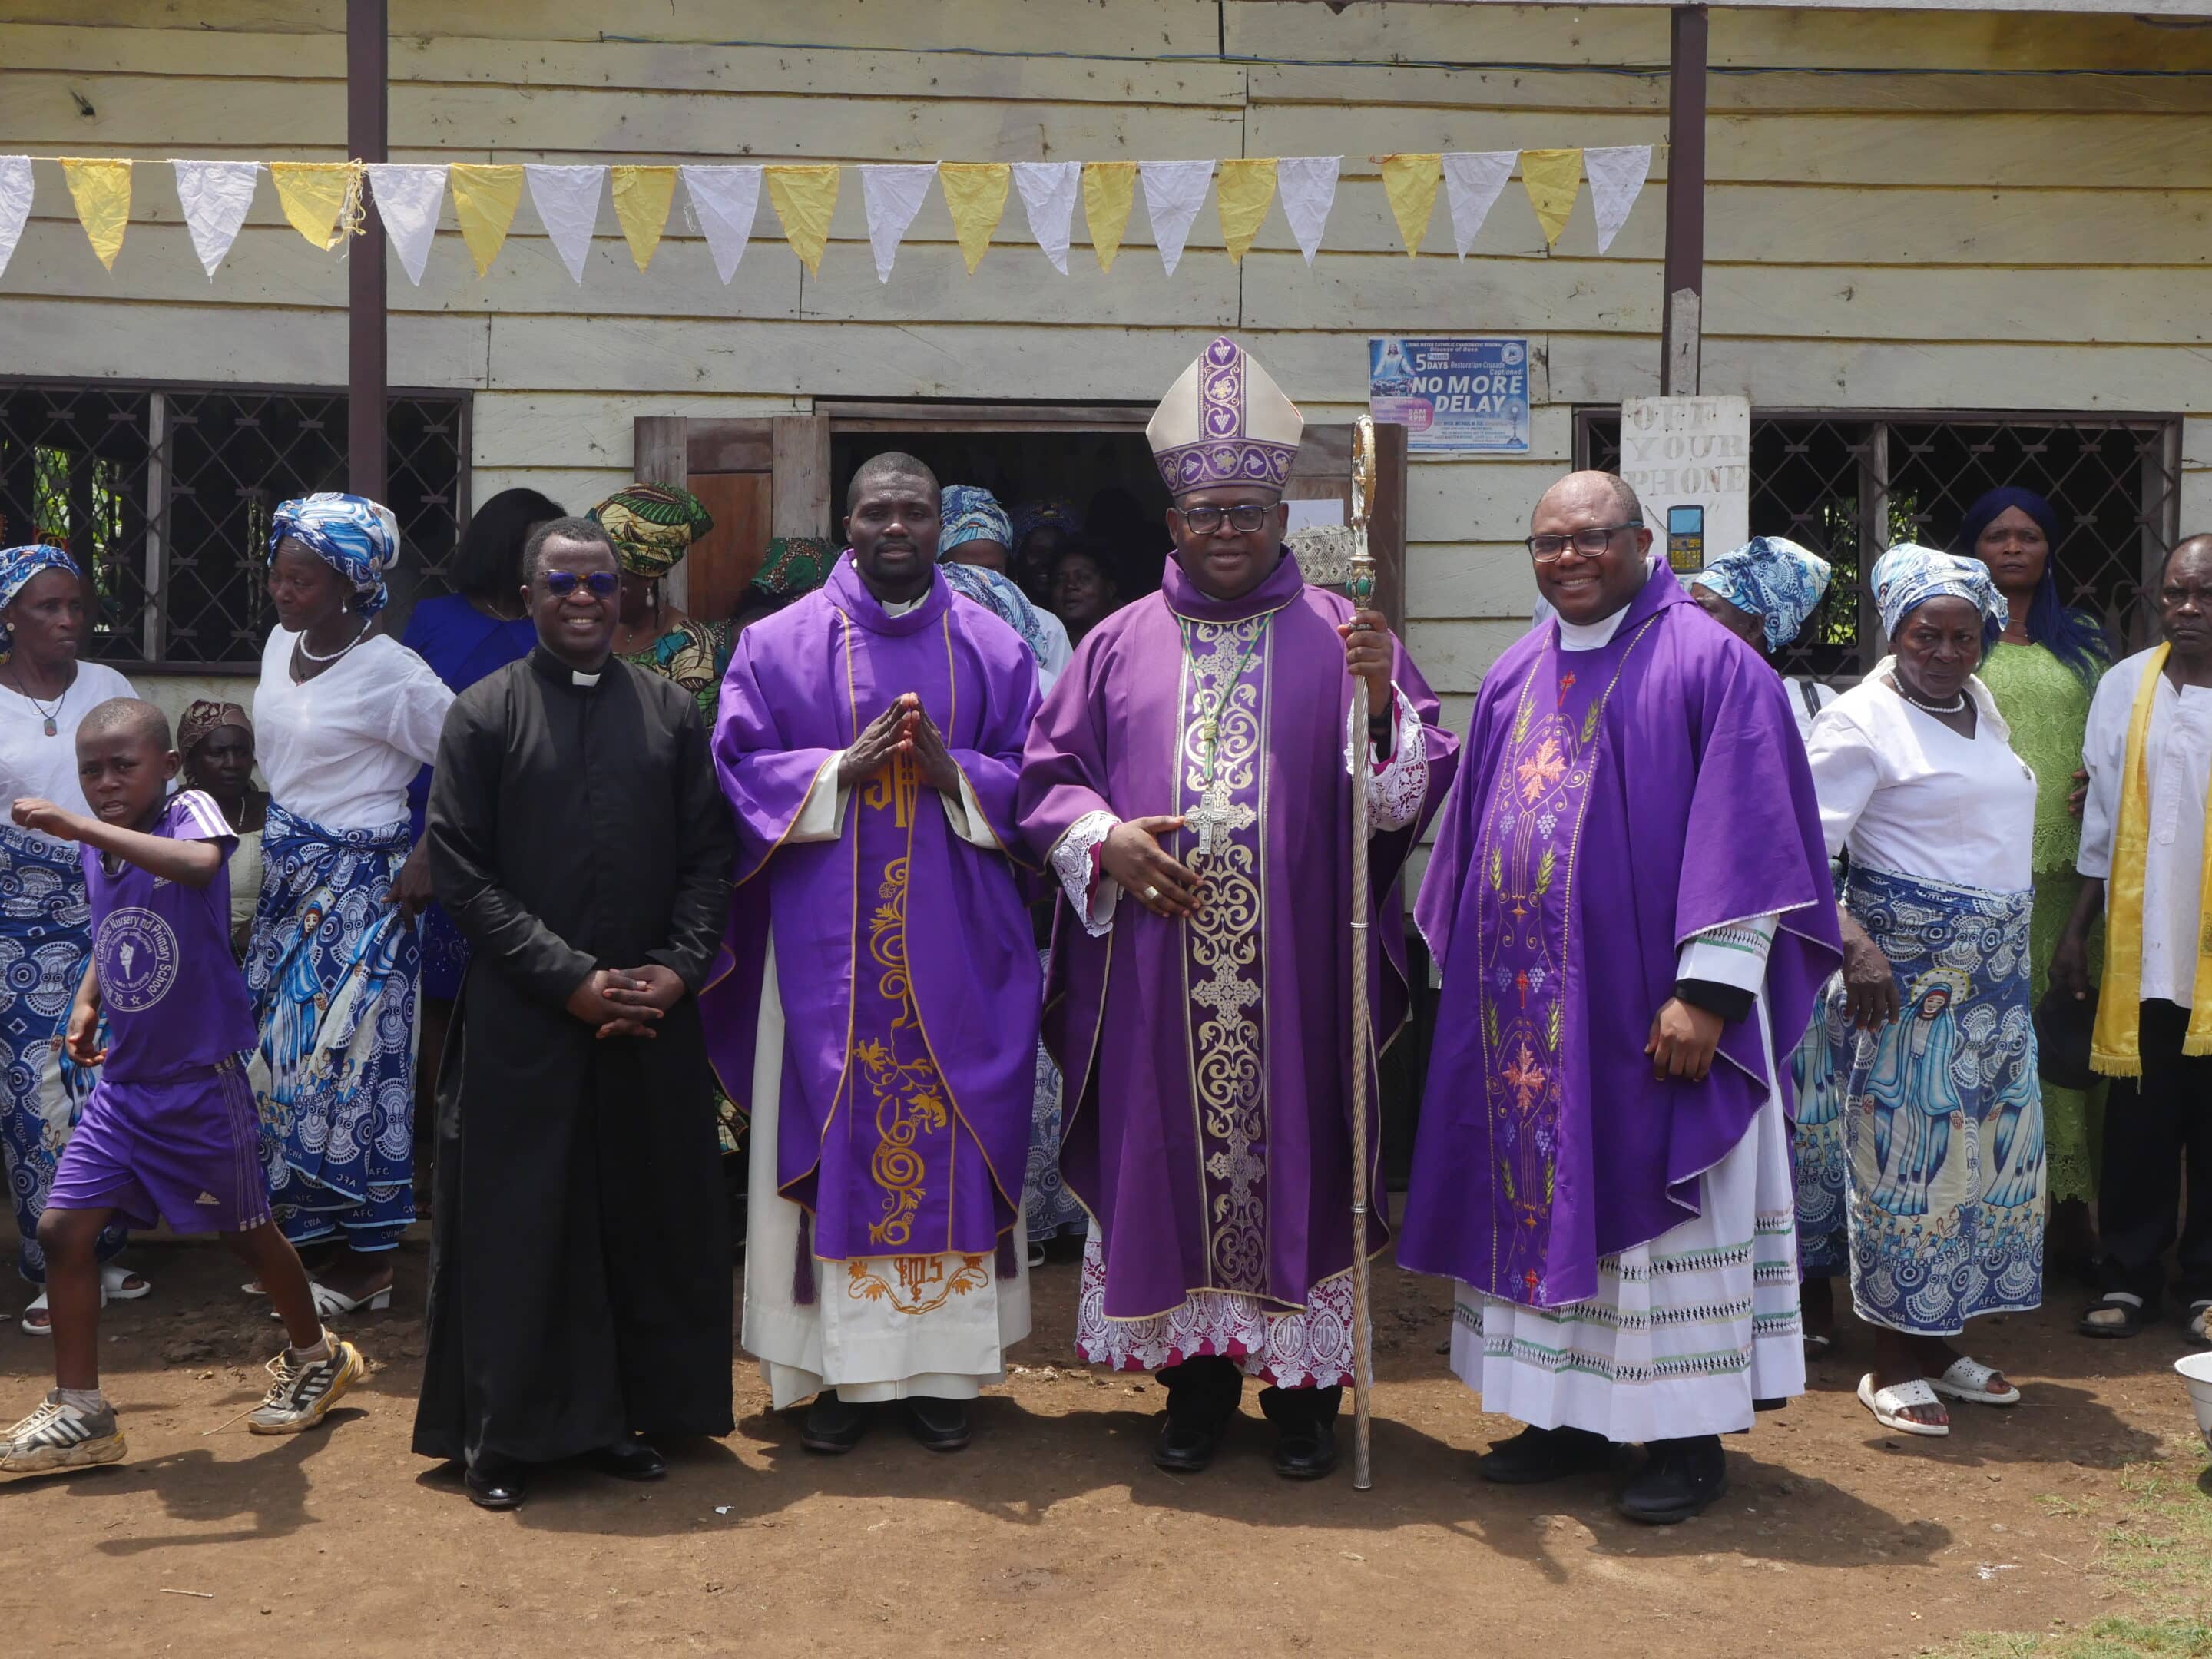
(1362, 589)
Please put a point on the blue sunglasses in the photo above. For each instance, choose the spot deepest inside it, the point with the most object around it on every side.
(603, 584)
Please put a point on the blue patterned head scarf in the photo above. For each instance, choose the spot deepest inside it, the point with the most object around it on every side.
(357, 537)
(1909, 575)
(998, 594)
(972, 514)
(18, 566)
(1030, 517)
(1774, 580)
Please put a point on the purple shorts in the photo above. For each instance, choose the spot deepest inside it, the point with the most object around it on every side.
(185, 1151)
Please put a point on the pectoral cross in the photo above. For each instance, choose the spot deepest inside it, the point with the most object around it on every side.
(1213, 809)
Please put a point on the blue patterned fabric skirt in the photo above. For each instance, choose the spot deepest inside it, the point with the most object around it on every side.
(332, 969)
(1048, 1207)
(46, 939)
(1816, 1143)
(1942, 1115)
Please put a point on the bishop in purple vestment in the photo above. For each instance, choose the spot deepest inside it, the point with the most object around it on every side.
(1628, 899)
(1190, 780)
(880, 1019)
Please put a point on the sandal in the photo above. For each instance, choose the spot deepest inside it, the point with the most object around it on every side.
(1969, 1379)
(115, 1281)
(2126, 1304)
(1816, 1345)
(1889, 1404)
(2198, 1321)
(329, 1303)
(39, 1306)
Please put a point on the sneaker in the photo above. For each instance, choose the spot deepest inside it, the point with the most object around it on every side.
(60, 1436)
(304, 1392)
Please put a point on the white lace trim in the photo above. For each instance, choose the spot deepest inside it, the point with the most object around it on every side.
(1395, 790)
(1071, 861)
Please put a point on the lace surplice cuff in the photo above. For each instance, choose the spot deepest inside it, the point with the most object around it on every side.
(1075, 861)
(1395, 787)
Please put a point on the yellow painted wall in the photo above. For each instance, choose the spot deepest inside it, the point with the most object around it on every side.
(1875, 239)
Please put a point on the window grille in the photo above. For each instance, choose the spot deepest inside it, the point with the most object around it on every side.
(163, 494)
(1847, 486)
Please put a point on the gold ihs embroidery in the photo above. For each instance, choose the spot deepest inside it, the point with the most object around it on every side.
(923, 1286)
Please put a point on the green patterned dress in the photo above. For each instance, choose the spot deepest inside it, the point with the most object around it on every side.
(2047, 706)
(694, 654)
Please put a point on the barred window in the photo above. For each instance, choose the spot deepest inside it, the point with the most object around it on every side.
(1849, 485)
(163, 494)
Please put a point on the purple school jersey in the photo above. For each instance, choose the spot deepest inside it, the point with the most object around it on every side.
(174, 995)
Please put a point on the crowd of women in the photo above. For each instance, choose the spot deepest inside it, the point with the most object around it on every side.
(1933, 1150)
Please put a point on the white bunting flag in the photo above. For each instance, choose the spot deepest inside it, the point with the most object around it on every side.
(893, 195)
(1307, 186)
(1048, 191)
(15, 189)
(568, 202)
(724, 200)
(408, 195)
(1616, 178)
(1174, 192)
(1472, 181)
(216, 196)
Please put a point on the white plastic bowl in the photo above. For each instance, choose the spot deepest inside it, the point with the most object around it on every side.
(2195, 1371)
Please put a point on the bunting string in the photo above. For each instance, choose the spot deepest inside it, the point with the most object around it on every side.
(327, 202)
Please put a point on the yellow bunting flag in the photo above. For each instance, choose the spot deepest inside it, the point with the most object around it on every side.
(1110, 189)
(484, 200)
(1411, 183)
(805, 198)
(1241, 190)
(1553, 179)
(321, 198)
(976, 193)
(642, 198)
(102, 190)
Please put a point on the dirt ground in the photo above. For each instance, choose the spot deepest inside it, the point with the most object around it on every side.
(1053, 1534)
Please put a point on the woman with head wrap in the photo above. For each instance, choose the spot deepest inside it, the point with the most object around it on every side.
(482, 625)
(652, 527)
(1763, 592)
(215, 740)
(2042, 668)
(1942, 1122)
(971, 550)
(45, 692)
(348, 716)
(1040, 528)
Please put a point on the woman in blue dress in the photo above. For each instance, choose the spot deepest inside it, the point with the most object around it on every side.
(480, 627)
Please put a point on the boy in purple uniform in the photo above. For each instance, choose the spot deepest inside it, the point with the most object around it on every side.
(170, 1132)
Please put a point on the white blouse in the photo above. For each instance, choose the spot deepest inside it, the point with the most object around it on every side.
(2178, 768)
(32, 763)
(1906, 794)
(340, 749)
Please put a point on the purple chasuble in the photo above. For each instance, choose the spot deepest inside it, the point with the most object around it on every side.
(1209, 1075)
(1615, 802)
(904, 954)
(172, 993)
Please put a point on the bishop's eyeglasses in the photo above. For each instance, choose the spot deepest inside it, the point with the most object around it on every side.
(1208, 520)
(1589, 542)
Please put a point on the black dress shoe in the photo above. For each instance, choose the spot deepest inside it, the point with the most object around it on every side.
(832, 1425)
(940, 1424)
(627, 1460)
(1536, 1455)
(1306, 1451)
(497, 1483)
(1680, 1479)
(1186, 1447)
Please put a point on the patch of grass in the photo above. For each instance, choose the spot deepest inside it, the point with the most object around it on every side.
(2108, 1638)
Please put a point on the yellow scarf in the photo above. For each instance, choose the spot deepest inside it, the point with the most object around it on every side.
(2115, 1048)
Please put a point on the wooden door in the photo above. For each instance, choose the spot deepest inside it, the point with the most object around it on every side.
(1323, 472)
(759, 478)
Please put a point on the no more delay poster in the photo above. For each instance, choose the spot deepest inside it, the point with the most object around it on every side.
(1464, 396)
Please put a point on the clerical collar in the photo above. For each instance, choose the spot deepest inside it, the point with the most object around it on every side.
(561, 672)
(1591, 636)
(903, 606)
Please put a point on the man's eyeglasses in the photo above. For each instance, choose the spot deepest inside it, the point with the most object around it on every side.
(1589, 542)
(1208, 520)
(602, 584)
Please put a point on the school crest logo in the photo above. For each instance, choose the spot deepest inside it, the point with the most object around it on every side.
(137, 955)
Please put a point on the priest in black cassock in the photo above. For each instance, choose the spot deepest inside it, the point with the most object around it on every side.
(580, 1294)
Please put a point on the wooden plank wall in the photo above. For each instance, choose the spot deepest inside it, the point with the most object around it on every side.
(1890, 224)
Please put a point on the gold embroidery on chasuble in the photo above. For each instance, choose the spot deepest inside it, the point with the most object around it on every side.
(1224, 775)
(922, 1286)
(896, 1066)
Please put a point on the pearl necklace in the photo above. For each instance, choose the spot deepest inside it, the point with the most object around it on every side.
(1956, 706)
(300, 646)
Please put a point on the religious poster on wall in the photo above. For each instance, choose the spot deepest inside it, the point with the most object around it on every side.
(1468, 395)
(1689, 461)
